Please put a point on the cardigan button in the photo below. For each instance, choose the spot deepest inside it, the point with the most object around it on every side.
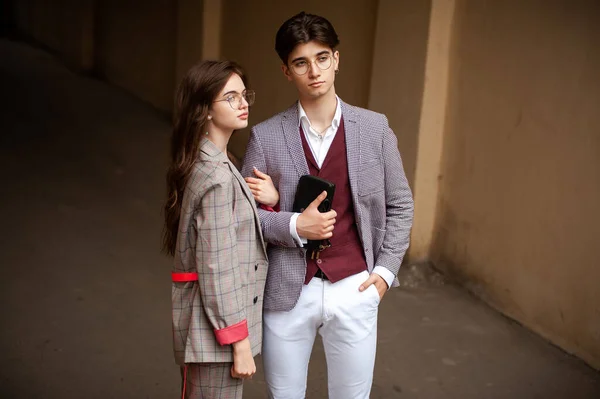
(255, 299)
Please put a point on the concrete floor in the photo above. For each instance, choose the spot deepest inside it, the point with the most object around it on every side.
(85, 293)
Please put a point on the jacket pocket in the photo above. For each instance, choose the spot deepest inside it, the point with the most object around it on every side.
(370, 179)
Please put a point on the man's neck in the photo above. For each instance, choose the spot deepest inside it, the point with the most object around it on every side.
(320, 111)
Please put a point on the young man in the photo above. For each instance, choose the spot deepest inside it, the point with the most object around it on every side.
(337, 293)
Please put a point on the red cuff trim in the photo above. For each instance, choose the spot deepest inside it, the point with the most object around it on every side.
(183, 277)
(269, 208)
(233, 333)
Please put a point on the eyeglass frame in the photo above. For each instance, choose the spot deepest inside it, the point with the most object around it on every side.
(242, 96)
(331, 57)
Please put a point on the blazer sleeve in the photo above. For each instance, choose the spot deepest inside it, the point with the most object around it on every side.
(275, 225)
(217, 262)
(399, 205)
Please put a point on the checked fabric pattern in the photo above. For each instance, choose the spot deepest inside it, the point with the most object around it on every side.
(381, 196)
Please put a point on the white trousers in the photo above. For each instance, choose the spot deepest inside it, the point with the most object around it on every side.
(347, 321)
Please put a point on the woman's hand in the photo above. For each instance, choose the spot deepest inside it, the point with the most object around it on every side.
(262, 188)
(243, 361)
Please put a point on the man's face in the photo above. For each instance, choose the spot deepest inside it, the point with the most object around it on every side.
(311, 67)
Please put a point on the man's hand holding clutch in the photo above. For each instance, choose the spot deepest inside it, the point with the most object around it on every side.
(314, 225)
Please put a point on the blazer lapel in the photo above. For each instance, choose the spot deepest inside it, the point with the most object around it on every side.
(352, 132)
(291, 132)
(252, 202)
(209, 151)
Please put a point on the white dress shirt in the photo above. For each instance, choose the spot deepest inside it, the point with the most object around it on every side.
(319, 144)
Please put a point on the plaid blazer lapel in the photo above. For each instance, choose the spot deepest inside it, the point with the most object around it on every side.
(291, 131)
(209, 151)
(250, 199)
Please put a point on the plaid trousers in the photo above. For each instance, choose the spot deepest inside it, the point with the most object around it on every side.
(210, 381)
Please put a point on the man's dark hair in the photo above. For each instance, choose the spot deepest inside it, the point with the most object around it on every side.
(303, 28)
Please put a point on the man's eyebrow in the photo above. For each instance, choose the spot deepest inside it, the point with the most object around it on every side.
(298, 59)
(304, 58)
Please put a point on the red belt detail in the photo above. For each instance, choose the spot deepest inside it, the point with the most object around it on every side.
(183, 277)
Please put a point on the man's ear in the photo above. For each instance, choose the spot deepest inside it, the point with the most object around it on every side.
(336, 57)
(286, 71)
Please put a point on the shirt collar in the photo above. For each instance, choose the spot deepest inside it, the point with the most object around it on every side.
(335, 123)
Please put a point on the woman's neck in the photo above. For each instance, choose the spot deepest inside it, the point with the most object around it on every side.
(219, 138)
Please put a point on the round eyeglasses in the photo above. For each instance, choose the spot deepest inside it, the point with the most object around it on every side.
(235, 99)
(323, 62)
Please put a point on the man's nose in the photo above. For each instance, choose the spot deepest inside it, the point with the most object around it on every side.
(314, 70)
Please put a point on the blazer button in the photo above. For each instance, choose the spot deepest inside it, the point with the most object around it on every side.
(256, 267)
(255, 299)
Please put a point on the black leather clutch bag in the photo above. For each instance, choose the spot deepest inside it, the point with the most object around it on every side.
(309, 188)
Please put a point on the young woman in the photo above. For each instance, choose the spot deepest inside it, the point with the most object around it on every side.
(213, 232)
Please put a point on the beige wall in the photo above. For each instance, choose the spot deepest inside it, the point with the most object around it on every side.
(190, 25)
(66, 30)
(136, 47)
(248, 36)
(398, 72)
(518, 217)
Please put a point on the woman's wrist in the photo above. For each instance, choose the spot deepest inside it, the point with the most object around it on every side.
(241, 346)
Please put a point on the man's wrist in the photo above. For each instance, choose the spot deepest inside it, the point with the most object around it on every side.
(294, 231)
(385, 274)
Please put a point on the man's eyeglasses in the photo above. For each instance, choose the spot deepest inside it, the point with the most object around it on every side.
(235, 99)
(323, 62)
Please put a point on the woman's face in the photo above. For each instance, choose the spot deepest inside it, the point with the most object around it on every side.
(229, 110)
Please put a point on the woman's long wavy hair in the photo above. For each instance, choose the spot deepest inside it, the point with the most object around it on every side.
(195, 95)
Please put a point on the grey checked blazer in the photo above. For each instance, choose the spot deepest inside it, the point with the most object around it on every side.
(382, 199)
(220, 239)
